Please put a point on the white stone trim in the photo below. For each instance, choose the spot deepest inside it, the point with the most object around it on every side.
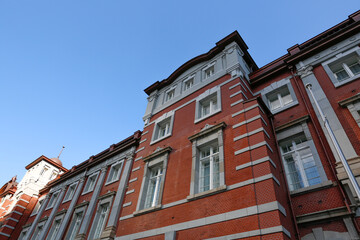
(252, 163)
(264, 143)
(251, 133)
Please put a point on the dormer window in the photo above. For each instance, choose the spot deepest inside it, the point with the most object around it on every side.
(209, 71)
(170, 94)
(188, 83)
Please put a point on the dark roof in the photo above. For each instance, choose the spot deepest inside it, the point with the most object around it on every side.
(220, 45)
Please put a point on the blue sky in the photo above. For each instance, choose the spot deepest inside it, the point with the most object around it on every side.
(72, 73)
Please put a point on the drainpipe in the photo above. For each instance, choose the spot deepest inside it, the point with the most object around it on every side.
(336, 144)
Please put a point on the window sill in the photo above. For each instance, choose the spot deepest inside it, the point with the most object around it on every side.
(206, 193)
(160, 139)
(285, 107)
(87, 192)
(67, 200)
(312, 188)
(339, 84)
(207, 116)
(108, 183)
(148, 210)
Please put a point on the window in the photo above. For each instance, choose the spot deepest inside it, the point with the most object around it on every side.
(37, 207)
(188, 83)
(208, 161)
(344, 67)
(153, 180)
(53, 175)
(38, 231)
(169, 95)
(70, 192)
(301, 161)
(209, 167)
(163, 127)
(114, 173)
(90, 183)
(100, 219)
(54, 228)
(152, 194)
(208, 104)
(279, 96)
(75, 223)
(209, 71)
(44, 170)
(353, 105)
(52, 200)
(23, 234)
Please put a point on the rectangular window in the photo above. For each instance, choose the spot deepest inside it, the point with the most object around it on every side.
(90, 183)
(54, 228)
(37, 207)
(169, 95)
(163, 127)
(279, 98)
(38, 231)
(154, 183)
(209, 71)
(52, 200)
(114, 174)
(207, 174)
(70, 192)
(300, 165)
(53, 175)
(208, 104)
(100, 220)
(188, 83)
(44, 170)
(75, 223)
(209, 167)
(344, 67)
(23, 234)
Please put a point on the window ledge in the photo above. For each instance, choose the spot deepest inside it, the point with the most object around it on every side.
(147, 210)
(294, 103)
(159, 139)
(206, 193)
(67, 200)
(87, 192)
(312, 188)
(339, 84)
(207, 116)
(108, 183)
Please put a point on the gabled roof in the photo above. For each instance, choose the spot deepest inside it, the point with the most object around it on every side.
(220, 45)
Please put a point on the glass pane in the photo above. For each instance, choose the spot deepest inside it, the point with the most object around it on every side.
(293, 174)
(216, 180)
(355, 68)
(274, 104)
(205, 174)
(287, 99)
(341, 75)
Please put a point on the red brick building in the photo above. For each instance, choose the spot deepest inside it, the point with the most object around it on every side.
(228, 151)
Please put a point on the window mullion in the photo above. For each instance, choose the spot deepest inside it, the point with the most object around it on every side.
(211, 163)
(299, 163)
(347, 69)
(280, 100)
(157, 181)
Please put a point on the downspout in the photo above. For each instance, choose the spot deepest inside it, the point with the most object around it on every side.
(332, 167)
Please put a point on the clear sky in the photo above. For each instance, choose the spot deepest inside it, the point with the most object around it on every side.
(72, 72)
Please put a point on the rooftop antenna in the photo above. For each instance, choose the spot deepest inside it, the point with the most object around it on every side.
(61, 152)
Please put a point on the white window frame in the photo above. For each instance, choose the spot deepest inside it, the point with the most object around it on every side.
(88, 189)
(353, 105)
(69, 195)
(44, 170)
(210, 67)
(188, 83)
(158, 162)
(165, 122)
(205, 98)
(117, 177)
(340, 58)
(38, 206)
(37, 233)
(209, 136)
(96, 228)
(23, 233)
(53, 175)
(169, 94)
(54, 232)
(286, 134)
(275, 89)
(53, 199)
(73, 228)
